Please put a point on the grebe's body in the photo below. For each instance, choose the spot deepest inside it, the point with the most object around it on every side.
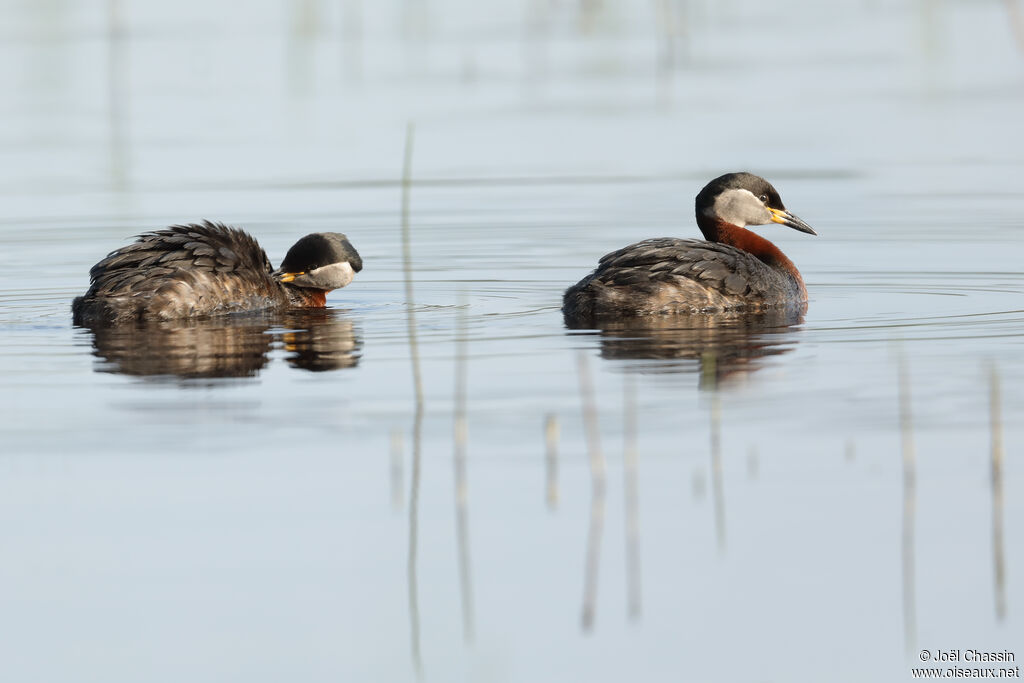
(205, 269)
(733, 270)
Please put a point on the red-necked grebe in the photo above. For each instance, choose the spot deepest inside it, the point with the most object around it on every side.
(734, 270)
(204, 269)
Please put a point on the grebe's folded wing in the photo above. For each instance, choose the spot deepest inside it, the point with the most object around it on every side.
(204, 248)
(653, 262)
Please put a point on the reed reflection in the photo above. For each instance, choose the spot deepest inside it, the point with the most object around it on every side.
(717, 483)
(231, 347)
(998, 548)
(631, 486)
(909, 507)
(597, 491)
(720, 347)
(461, 430)
(417, 423)
(551, 432)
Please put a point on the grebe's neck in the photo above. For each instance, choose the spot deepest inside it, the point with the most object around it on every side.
(726, 233)
(304, 297)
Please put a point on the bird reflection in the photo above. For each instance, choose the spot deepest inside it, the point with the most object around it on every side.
(235, 347)
(319, 339)
(720, 346)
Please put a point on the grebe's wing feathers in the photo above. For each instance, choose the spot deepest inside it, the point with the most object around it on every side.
(205, 246)
(184, 270)
(727, 269)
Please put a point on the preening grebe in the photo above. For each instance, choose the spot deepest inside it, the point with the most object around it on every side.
(204, 269)
(734, 270)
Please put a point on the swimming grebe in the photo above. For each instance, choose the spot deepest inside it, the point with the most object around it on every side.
(734, 270)
(187, 271)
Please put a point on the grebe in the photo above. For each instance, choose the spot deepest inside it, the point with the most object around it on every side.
(734, 270)
(204, 269)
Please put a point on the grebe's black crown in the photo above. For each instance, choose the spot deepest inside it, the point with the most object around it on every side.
(318, 250)
(756, 185)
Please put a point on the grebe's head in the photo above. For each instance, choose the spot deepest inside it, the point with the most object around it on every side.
(323, 260)
(744, 199)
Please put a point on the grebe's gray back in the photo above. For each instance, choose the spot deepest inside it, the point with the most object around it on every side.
(733, 270)
(208, 269)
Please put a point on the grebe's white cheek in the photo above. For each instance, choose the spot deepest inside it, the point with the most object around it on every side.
(739, 207)
(333, 276)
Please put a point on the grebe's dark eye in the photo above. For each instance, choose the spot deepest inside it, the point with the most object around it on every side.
(764, 198)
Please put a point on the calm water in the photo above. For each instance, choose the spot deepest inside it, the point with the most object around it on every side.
(265, 499)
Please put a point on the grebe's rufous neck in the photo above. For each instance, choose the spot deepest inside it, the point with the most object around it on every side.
(734, 270)
(204, 269)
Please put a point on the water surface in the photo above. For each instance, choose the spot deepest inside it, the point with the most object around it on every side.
(263, 499)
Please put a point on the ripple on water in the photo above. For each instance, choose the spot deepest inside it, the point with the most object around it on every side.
(918, 305)
(36, 308)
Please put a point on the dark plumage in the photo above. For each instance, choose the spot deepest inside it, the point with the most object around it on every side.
(206, 269)
(733, 270)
